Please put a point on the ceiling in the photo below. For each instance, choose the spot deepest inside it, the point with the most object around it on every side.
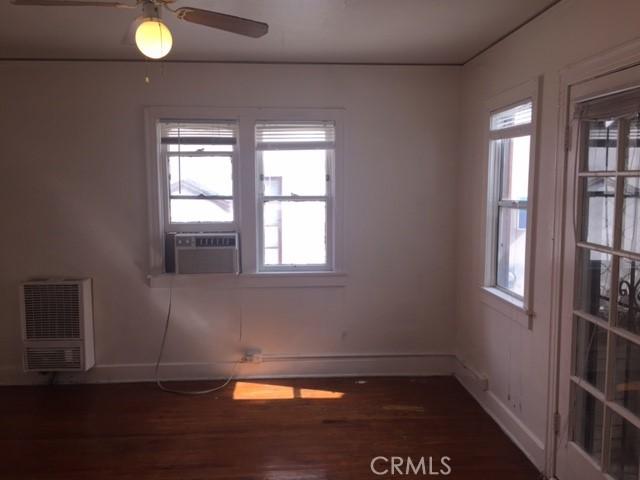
(306, 31)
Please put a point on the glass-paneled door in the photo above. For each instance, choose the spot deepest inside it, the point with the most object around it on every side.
(600, 339)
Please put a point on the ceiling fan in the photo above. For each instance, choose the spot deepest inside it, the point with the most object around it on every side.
(152, 36)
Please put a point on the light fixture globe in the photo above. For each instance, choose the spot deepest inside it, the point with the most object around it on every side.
(153, 38)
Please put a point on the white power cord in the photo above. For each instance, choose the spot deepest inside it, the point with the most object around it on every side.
(164, 340)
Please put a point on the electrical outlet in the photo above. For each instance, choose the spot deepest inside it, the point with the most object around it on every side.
(253, 356)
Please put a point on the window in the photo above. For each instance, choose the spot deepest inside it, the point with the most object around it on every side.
(510, 147)
(295, 188)
(271, 175)
(198, 160)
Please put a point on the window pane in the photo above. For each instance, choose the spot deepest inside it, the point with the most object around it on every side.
(272, 236)
(200, 211)
(631, 215)
(295, 132)
(295, 172)
(625, 449)
(632, 160)
(603, 145)
(595, 289)
(186, 148)
(511, 117)
(301, 238)
(514, 167)
(627, 374)
(511, 250)
(590, 353)
(587, 422)
(599, 195)
(629, 296)
(201, 176)
(272, 256)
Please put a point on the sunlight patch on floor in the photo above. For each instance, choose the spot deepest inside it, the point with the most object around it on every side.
(265, 391)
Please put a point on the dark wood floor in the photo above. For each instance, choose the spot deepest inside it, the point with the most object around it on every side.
(303, 429)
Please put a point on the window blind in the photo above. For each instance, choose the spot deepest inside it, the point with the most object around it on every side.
(295, 135)
(610, 107)
(512, 117)
(198, 133)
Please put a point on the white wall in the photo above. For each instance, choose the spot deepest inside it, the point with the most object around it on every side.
(489, 337)
(74, 193)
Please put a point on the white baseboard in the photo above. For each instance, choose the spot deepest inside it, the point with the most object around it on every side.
(517, 431)
(273, 366)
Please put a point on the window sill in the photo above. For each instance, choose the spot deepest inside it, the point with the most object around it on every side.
(250, 280)
(509, 306)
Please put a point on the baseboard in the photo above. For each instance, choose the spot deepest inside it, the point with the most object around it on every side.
(272, 366)
(517, 431)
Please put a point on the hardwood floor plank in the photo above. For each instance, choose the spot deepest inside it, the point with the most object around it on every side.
(295, 429)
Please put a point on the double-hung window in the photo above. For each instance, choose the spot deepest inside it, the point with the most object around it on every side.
(510, 161)
(271, 176)
(294, 194)
(198, 160)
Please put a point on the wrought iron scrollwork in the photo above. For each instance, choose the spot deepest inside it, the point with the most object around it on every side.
(629, 297)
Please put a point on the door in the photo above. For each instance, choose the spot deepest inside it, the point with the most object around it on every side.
(599, 375)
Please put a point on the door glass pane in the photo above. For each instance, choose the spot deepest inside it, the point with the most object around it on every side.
(632, 160)
(201, 176)
(587, 422)
(512, 239)
(297, 172)
(603, 145)
(631, 215)
(590, 353)
(625, 449)
(595, 283)
(200, 211)
(627, 374)
(514, 164)
(301, 232)
(599, 193)
(629, 295)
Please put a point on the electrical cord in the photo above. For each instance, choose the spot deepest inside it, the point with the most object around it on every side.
(162, 345)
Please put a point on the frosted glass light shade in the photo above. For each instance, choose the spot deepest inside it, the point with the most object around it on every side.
(153, 38)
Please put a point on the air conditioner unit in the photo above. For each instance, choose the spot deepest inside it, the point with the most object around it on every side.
(57, 325)
(206, 253)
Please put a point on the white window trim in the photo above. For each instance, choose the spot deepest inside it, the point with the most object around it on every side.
(328, 198)
(245, 185)
(164, 192)
(498, 297)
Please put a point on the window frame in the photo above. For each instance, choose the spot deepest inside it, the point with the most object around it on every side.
(519, 95)
(329, 218)
(205, 227)
(244, 187)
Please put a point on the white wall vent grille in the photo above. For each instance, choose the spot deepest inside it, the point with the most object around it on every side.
(52, 311)
(57, 325)
(54, 358)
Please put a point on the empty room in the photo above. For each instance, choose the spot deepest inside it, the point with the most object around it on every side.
(320, 239)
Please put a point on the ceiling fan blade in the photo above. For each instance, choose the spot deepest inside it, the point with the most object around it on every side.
(69, 3)
(222, 21)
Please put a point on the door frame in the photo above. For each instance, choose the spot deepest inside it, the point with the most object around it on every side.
(617, 59)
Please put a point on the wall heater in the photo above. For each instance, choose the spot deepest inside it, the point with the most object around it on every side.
(57, 325)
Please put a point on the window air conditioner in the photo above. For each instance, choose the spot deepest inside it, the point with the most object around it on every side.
(57, 325)
(205, 253)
